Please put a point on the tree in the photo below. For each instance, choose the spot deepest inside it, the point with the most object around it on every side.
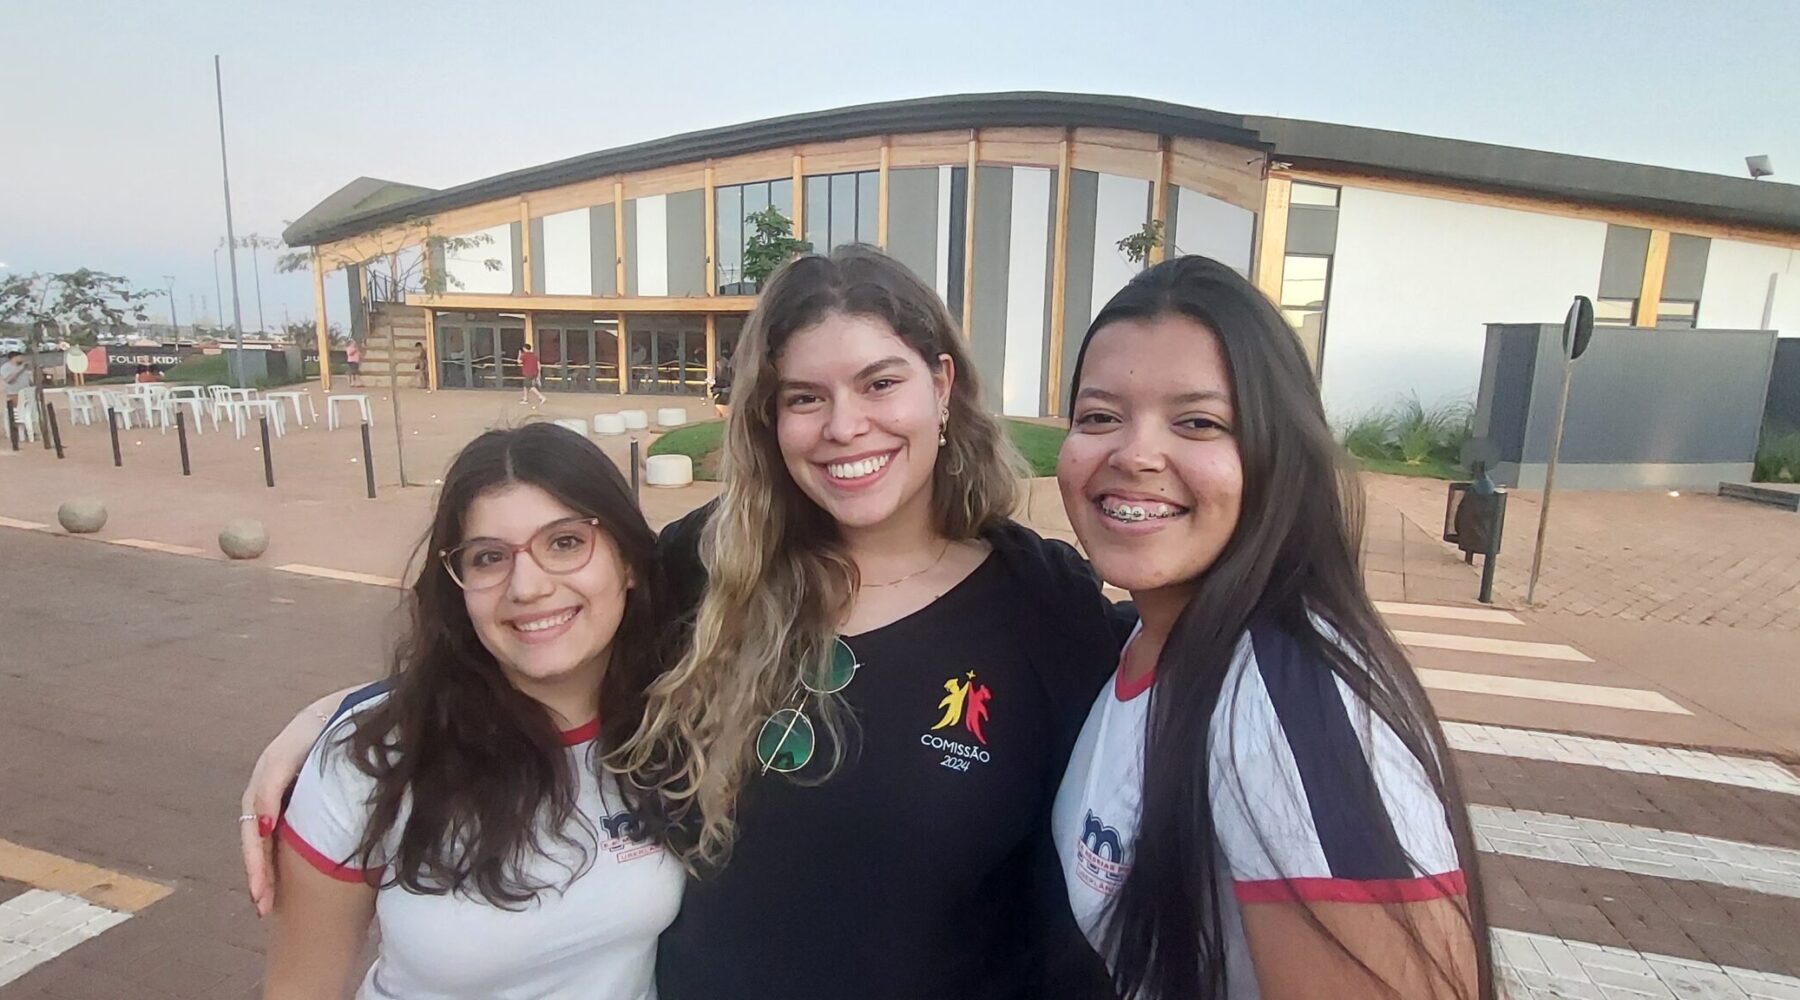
(76, 305)
(1138, 246)
(414, 272)
(772, 245)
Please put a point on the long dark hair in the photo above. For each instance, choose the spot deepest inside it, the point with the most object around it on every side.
(1292, 556)
(481, 765)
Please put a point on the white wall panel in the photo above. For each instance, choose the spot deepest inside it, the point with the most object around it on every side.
(1121, 207)
(469, 275)
(1209, 227)
(1738, 290)
(1415, 281)
(1021, 390)
(652, 248)
(942, 280)
(564, 255)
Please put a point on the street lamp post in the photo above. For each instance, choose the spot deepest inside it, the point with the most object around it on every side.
(237, 320)
(218, 292)
(174, 326)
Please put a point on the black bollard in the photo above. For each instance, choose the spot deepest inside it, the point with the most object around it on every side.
(55, 432)
(112, 427)
(368, 461)
(12, 424)
(268, 459)
(634, 472)
(181, 438)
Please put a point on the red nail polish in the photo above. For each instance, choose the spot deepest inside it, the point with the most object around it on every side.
(265, 825)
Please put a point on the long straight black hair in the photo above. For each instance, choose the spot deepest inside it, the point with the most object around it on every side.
(479, 763)
(1292, 556)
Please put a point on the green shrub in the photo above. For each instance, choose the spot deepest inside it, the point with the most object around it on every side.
(1370, 435)
(1411, 438)
(1778, 455)
(701, 442)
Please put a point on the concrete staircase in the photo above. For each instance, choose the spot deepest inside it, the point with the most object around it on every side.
(396, 333)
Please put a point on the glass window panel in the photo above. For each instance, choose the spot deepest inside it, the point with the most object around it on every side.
(1314, 194)
(1303, 281)
(843, 210)
(818, 212)
(730, 236)
(756, 198)
(1614, 312)
(868, 206)
(781, 195)
(1676, 314)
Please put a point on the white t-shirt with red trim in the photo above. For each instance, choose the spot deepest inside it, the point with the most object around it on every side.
(593, 937)
(1314, 798)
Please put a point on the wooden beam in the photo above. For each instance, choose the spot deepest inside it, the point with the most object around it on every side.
(1160, 212)
(619, 235)
(712, 345)
(968, 302)
(1271, 235)
(531, 329)
(624, 356)
(712, 237)
(471, 301)
(1059, 280)
(1656, 265)
(323, 328)
(431, 351)
(881, 201)
(800, 198)
(526, 250)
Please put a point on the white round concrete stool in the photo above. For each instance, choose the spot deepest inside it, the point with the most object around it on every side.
(578, 426)
(668, 470)
(635, 420)
(609, 424)
(671, 416)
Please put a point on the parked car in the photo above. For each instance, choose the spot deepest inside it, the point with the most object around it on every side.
(11, 344)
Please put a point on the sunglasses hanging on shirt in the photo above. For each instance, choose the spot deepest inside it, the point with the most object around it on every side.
(787, 741)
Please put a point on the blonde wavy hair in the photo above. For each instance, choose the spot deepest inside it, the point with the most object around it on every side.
(778, 578)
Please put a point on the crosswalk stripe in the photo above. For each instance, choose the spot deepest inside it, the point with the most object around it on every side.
(1632, 699)
(13, 522)
(1498, 647)
(38, 925)
(1540, 967)
(1448, 612)
(1634, 758)
(1640, 850)
(328, 573)
(153, 546)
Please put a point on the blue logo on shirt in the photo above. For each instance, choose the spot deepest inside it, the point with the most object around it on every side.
(1101, 839)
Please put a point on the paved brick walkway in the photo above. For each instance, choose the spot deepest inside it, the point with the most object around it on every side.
(1639, 556)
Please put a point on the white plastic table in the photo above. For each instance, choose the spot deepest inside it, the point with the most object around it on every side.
(294, 396)
(358, 398)
(198, 405)
(241, 410)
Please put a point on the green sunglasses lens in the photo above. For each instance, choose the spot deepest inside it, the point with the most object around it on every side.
(840, 670)
(786, 741)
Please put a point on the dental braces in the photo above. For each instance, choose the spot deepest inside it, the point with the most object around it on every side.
(1130, 512)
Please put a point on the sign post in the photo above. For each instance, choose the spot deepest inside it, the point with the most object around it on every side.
(1578, 329)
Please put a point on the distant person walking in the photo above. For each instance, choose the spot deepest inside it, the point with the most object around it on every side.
(532, 371)
(420, 364)
(353, 358)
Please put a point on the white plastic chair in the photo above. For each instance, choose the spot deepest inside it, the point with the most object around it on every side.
(359, 399)
(25, 412)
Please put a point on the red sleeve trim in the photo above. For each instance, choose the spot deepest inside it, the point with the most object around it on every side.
(324, 865)
(1344, 890)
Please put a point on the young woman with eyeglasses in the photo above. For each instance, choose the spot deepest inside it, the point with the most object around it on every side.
(462, 807)
(858, 752)
(1261, 803)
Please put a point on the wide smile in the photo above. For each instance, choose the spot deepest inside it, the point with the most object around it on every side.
(858, 472)
(545, 627)
(1137, 512)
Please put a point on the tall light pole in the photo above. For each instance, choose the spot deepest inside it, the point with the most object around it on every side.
(174, 327)
(218, 293)
(237, 320)
(262, 325)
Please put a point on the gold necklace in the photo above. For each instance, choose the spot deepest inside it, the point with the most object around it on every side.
(915, 573)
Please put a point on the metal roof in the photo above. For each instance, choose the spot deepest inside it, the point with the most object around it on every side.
(1690, 194)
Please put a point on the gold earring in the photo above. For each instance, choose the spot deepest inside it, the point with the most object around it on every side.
(944, 429)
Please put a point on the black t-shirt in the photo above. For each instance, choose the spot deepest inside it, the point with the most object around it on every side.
(922, 868)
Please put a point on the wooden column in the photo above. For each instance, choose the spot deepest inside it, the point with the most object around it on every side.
(431, 350)
(531, 329)
(1059, 280)
(526, 250)
(712, 237)
(712, 345)
(1271, 235)
(624, 356)
(968, 302)
(619, 239)
(800, 198)
(323, 327)
(881, 202)
(1656, 265)
(1161, 212)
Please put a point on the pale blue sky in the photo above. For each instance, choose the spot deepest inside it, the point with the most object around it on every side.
(110, 155)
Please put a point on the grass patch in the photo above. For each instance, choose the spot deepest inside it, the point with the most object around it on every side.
(215, 369)
(1411, 439)
(701, 442)
(1778, 455)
